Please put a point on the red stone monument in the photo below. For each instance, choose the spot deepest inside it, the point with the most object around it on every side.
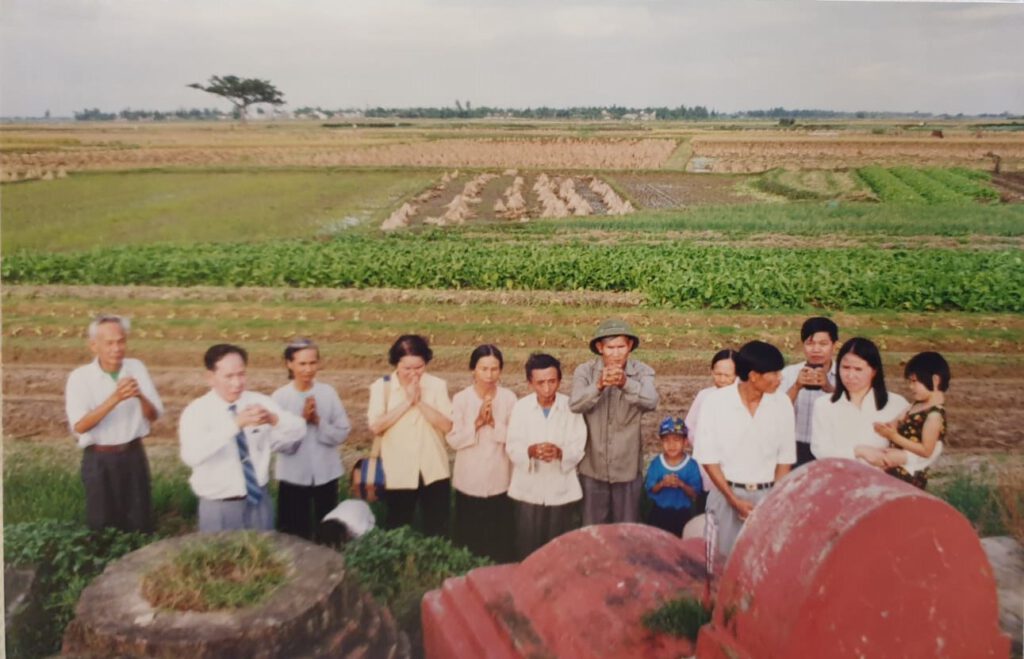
(582, 595)
(843, 560)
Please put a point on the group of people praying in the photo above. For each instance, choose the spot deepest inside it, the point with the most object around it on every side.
(525, 470)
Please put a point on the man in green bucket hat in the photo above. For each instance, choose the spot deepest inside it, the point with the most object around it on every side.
(612, 392)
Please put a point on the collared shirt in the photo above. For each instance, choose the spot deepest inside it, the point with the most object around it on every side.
(614, 445)
(207, 432)
(535, 481)
(805, 398)
(315, 459)
(841, 426)
(411, 446)
(88, 386)
(481, 467)
(747, 448)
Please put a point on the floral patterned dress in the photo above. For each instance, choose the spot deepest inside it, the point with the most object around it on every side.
(910, 427)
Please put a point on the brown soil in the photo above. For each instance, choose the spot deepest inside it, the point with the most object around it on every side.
(675, 190)
(1010, 187)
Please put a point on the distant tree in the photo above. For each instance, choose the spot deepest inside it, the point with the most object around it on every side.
(242, 92)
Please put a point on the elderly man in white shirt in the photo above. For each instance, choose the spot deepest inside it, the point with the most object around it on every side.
(745, 440)
(545, 442)
(110, 403)
(227, 437)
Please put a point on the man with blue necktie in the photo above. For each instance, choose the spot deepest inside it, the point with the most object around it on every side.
(227, 437)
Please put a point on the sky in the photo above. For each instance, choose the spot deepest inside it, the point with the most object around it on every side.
(940, 57)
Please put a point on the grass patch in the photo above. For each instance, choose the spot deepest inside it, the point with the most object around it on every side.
(980, 499)
(681, 617)
(216, 573)
(42, 481)
(178, 207)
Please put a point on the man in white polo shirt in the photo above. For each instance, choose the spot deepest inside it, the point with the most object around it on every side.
(110, 403)
(745, 440)
(227, 437)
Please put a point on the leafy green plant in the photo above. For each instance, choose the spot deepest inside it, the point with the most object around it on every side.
(399, 566)
(683, 616)
(67, 556)
(673, 274)
(216, 573)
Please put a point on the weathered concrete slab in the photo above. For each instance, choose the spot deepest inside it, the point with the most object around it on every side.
(581, 595)
(1006, 556)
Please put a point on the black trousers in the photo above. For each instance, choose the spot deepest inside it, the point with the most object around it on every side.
(117, 489)
(301, 507)
(669, 519)
(536, 525)
(803, 454)
(433, 502)
(483, 525)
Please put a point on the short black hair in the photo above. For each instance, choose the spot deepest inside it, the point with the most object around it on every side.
(817, 324)
(925, 365)
(220, 351)
(298, 345)
(722, 355)
(758, 357)
(539, 361)
(868, 351)
(486, 350)
(410, 345)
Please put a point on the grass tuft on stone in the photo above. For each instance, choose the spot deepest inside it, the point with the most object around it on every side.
(682, 617)
(228, 572)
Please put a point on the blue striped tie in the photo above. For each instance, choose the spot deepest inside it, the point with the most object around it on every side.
(253, 491)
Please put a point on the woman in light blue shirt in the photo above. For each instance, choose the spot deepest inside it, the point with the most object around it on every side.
(308, 474)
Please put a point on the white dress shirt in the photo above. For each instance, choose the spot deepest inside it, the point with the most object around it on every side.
(207, 431)
(535, 481)
(839, 427)
(88, 386)
(315, 459)
(747, 448)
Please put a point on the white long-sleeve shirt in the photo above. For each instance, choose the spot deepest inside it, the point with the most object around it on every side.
(207, 431)
(88, 386)
(535, 481)
(315, 459)
(837, 428)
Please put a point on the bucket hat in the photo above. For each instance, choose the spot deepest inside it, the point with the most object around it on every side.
(613, 327)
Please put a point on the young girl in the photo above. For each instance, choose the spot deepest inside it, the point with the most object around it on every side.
(917, 435)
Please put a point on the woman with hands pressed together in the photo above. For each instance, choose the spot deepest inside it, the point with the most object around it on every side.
(482, 470)
(308, 472)
(411, 411)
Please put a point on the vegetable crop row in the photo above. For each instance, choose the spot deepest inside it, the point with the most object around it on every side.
(672, 274)
(927, 186)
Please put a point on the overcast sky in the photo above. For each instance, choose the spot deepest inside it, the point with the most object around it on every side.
(66, 55)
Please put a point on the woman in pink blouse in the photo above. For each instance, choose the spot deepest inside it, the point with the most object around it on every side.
(483, 514)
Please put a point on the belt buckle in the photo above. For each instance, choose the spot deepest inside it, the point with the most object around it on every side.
(750, 487)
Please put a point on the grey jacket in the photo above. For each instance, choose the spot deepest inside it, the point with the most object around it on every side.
(614, 445)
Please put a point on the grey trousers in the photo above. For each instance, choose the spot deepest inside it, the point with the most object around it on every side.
(536, 525)
(724, 523)
(117, 490)
(611, 503)
(219, 515)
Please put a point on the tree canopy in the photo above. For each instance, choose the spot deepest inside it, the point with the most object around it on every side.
(242, 92)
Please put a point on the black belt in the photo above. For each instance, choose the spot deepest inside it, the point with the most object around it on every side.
(751, 487)
(115, 448)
